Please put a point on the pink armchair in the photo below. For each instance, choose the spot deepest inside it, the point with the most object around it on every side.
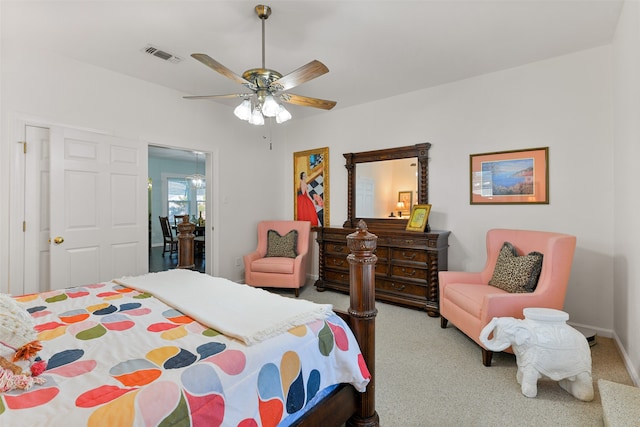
(278, 271)
(469, 302)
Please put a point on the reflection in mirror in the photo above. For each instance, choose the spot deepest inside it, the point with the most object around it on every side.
(375, 185)
(386, 189)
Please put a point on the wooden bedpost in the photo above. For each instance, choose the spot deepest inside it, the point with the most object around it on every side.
(362, 309)
(186, 254)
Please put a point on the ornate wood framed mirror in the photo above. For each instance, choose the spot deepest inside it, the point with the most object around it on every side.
(378, 181)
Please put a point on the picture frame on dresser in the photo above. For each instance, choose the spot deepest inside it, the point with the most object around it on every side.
(419, 218)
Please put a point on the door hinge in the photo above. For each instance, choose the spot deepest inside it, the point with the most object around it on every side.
(24, 226)
(24, 146)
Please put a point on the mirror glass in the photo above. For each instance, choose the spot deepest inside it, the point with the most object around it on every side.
(386, 189)
(378, 180)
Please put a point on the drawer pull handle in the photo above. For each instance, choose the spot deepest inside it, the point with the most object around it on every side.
(410, 256)
(398, 287)
(412, 272)
(338, 262)
(338, 248)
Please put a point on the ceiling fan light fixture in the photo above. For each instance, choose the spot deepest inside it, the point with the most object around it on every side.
(270, 107)
(256, 117)
(268, 86)
(243, 111)
(283, 115)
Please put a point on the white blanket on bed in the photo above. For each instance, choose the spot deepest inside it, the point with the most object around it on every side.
(240, 311)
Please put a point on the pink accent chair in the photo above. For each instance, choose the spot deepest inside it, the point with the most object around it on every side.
(278, 272)
(467, 300)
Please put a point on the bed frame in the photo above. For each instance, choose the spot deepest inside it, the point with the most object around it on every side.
(344, 405)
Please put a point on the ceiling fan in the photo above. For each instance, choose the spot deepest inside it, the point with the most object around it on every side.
(267, 85)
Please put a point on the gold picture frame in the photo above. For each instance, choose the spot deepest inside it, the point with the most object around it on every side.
(419, 218)
(311, 186)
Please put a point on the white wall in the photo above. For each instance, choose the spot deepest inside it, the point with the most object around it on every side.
(58, 90)
(626, 290)
(563, 103)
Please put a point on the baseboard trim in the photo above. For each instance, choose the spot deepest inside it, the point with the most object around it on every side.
(608, 333)
(633, 373)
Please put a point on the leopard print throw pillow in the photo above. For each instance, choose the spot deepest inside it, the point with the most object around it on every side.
(282, 246)
(516, 274)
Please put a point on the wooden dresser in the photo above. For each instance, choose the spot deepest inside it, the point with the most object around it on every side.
(406, 270)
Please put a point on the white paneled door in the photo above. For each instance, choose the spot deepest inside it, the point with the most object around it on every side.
(98, 207)
(365, 198)
(36, 255)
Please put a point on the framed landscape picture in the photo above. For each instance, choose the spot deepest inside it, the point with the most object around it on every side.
(510, 177)
(311, 186)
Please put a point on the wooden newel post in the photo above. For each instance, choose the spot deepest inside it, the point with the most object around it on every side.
(186, 254)
(362, 308)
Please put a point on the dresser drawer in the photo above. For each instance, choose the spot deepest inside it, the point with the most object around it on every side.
(337, 276)
(410, 242)
(401, 287)
(335, 247)
(382, 253)
(408, 272)
(336, 261)
(410, 255)
(341, 263)
(382, 269)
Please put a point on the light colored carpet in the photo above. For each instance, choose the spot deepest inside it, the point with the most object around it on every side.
(429, 376)
(620, 404)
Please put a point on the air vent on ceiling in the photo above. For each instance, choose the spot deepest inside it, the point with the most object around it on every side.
(152, 50)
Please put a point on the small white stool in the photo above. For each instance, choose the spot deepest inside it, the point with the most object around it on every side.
(589, 334)
(553, 315)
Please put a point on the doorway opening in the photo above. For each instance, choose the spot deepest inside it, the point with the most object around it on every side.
(177, 187)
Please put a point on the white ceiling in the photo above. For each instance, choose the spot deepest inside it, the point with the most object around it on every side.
(373, 49)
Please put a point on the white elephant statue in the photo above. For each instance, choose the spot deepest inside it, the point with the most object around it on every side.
(544, 345)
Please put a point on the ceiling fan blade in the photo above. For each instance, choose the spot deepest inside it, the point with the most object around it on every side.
(306, 101)
(216, 66)
(231, 95)
(303, 74)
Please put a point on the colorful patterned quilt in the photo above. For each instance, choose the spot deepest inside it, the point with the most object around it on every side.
(120, 357)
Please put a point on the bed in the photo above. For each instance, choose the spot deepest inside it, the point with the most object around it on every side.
(133, 351)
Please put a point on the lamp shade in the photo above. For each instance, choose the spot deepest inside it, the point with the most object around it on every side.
(243, 111)
(283, 115)
(270, 107)
(256, 118)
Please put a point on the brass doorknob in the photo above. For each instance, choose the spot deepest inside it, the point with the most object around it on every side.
(58, 240)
